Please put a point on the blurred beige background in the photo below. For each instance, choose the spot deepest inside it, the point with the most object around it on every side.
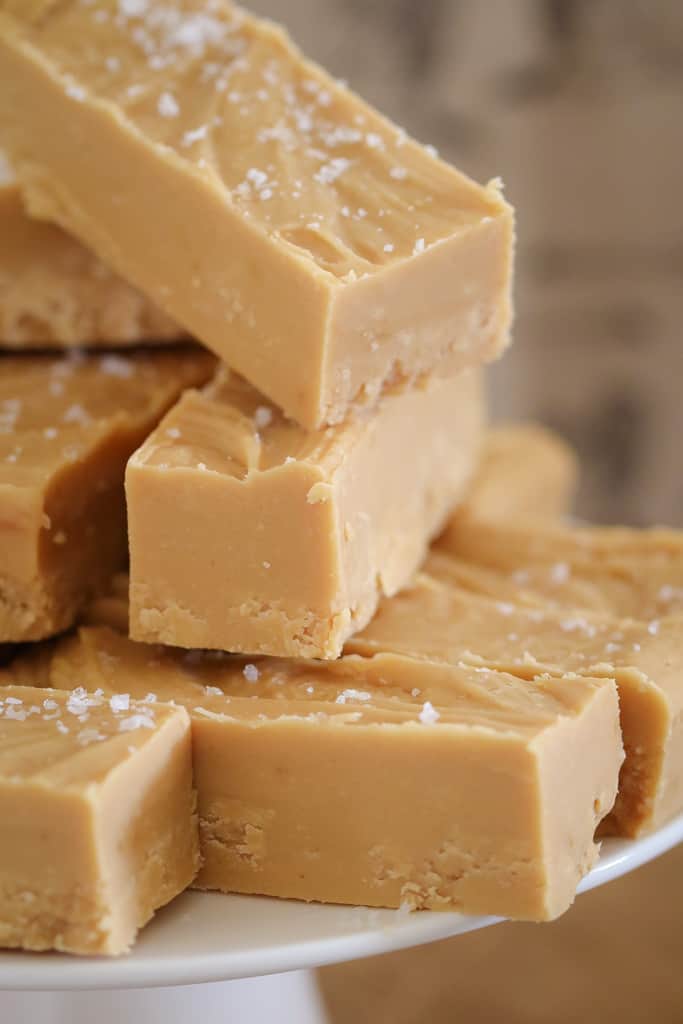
(578, 106)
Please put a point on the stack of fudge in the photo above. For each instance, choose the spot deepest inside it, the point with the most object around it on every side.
(333, 640)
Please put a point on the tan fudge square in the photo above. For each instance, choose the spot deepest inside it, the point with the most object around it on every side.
(98, 823)
(67, 427)
(319, 251)
(248, 533)
(381, 781)
(439, 619)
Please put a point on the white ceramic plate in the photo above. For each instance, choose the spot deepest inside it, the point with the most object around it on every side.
(210, 937)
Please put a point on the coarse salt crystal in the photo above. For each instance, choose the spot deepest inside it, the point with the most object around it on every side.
(429, 715)
(419, 246)
(559, 573)
(352, 694)
(140, 721)
(168, 105)
(194, 135)
(250, 673)
(173, 432)
(398, 173)
(388, 247)
(653, 627)
(329, 172)
(263, 416)
(133, 8)
(116, 366)
(119, 701)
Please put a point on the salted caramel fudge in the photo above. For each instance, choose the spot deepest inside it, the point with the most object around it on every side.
(54, 293)
(439, 620)
(526, 473)
(67, 427)
(250, 534)
(383, 781)
(620, 571)
(97, 817)
(309, 242)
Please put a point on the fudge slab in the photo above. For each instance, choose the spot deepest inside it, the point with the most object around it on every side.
(380, 781)
(98, 822)
(526, 473)
(621, 571)
(287, 225)
(67, 427)
(438, 620)
(54, 293)
(249, 534)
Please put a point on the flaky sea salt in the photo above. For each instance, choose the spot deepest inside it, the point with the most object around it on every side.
(140, 721)
(168, 105)
(429, 715)
(559, 573)
(116, 366)
(419, 246)
(351, 694)
(250, 673)
(262, 417)
(119, 701)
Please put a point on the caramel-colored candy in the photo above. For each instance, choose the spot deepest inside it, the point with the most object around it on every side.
(67, 427)
(54, 293)
(248, 533)
(440, 621)
(98, 825)
(380, 781)
(320, 252)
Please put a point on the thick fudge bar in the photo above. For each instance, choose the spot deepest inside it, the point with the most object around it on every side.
(438, 620)
(67, 427)
(98, 824)
(380, 781)
(250, 534)
(54, 293)
(287, 225)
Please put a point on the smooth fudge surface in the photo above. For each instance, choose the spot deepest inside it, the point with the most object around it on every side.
(380, 781)
(277, 217)
(67, 427)
(98, 825)
(54, 293)
(526, 473)
(622, 571)
(250, 534)
(438, 619)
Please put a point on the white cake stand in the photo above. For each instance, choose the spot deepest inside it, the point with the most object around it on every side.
(246, 943)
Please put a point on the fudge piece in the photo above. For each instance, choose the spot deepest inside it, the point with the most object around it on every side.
(526, 473)
(617, 570)
(287, 225)
(250, 534)
(98, 821)
(67, 427)
(439, 621)
(54, 293)
(380, 781)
